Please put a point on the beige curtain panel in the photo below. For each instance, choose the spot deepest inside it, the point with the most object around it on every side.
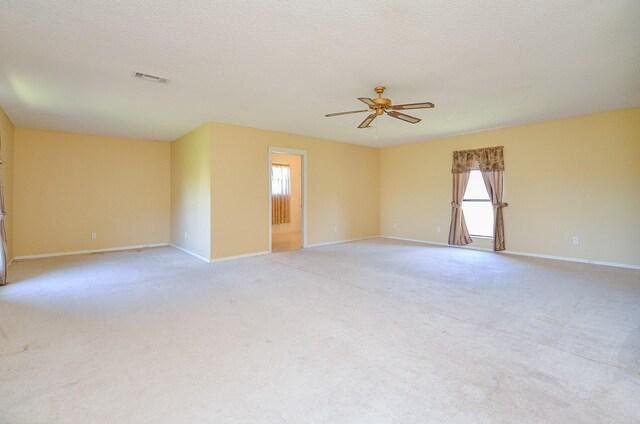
(281, 209)
(493, 182)
(490, 161)
(280, 194)
(3, 232)
(458, 232)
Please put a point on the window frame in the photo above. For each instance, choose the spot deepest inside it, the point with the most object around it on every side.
(475, 200)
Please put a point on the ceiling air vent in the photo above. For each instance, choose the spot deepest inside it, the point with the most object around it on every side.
(152, 78)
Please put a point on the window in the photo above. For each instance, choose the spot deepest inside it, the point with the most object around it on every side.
(477, 207)
(280, 180)
(280, 194)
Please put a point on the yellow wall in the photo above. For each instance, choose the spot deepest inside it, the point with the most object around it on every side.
(295, 167)
(564, 178)
(191, 191)
(7, 135)
(343, 189)
(69, 185)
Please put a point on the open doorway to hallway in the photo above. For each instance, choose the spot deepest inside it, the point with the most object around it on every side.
(287, 201)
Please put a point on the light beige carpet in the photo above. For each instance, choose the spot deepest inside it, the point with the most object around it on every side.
(375, 331)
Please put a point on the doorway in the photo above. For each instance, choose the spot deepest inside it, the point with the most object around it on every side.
(287, 212)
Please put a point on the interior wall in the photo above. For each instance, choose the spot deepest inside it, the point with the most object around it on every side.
(564, 178)
(7, 134)
(343, 189)
(68, 186)
(191, 191)
(295, 166)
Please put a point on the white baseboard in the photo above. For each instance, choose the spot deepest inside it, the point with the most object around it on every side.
(341, 241)
(84, 252)
(532, 255)
(567, 259)
(248, 255)
(189, 252)
(484, 249)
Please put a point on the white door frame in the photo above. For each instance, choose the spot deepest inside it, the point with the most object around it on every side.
(303, 224)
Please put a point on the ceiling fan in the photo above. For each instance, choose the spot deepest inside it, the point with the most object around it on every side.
(381, 105)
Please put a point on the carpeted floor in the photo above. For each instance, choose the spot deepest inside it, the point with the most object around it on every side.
(376, 331)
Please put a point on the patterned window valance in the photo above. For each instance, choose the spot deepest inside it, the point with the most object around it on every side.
(484, 159)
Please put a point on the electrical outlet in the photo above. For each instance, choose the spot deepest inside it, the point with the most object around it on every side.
(335, 228)
(395, 225)
(575, 240)
(186, 236)
(93, 236)
(438, 229)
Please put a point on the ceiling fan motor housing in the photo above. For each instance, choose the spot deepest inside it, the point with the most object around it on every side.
(380, 105)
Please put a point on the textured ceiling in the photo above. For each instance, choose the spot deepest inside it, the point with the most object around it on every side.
(281, 65)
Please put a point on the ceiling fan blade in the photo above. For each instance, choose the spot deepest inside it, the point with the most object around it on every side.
(368, 120)
(345, 113)
(367, 100)
(407, 106)
(402, 116)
